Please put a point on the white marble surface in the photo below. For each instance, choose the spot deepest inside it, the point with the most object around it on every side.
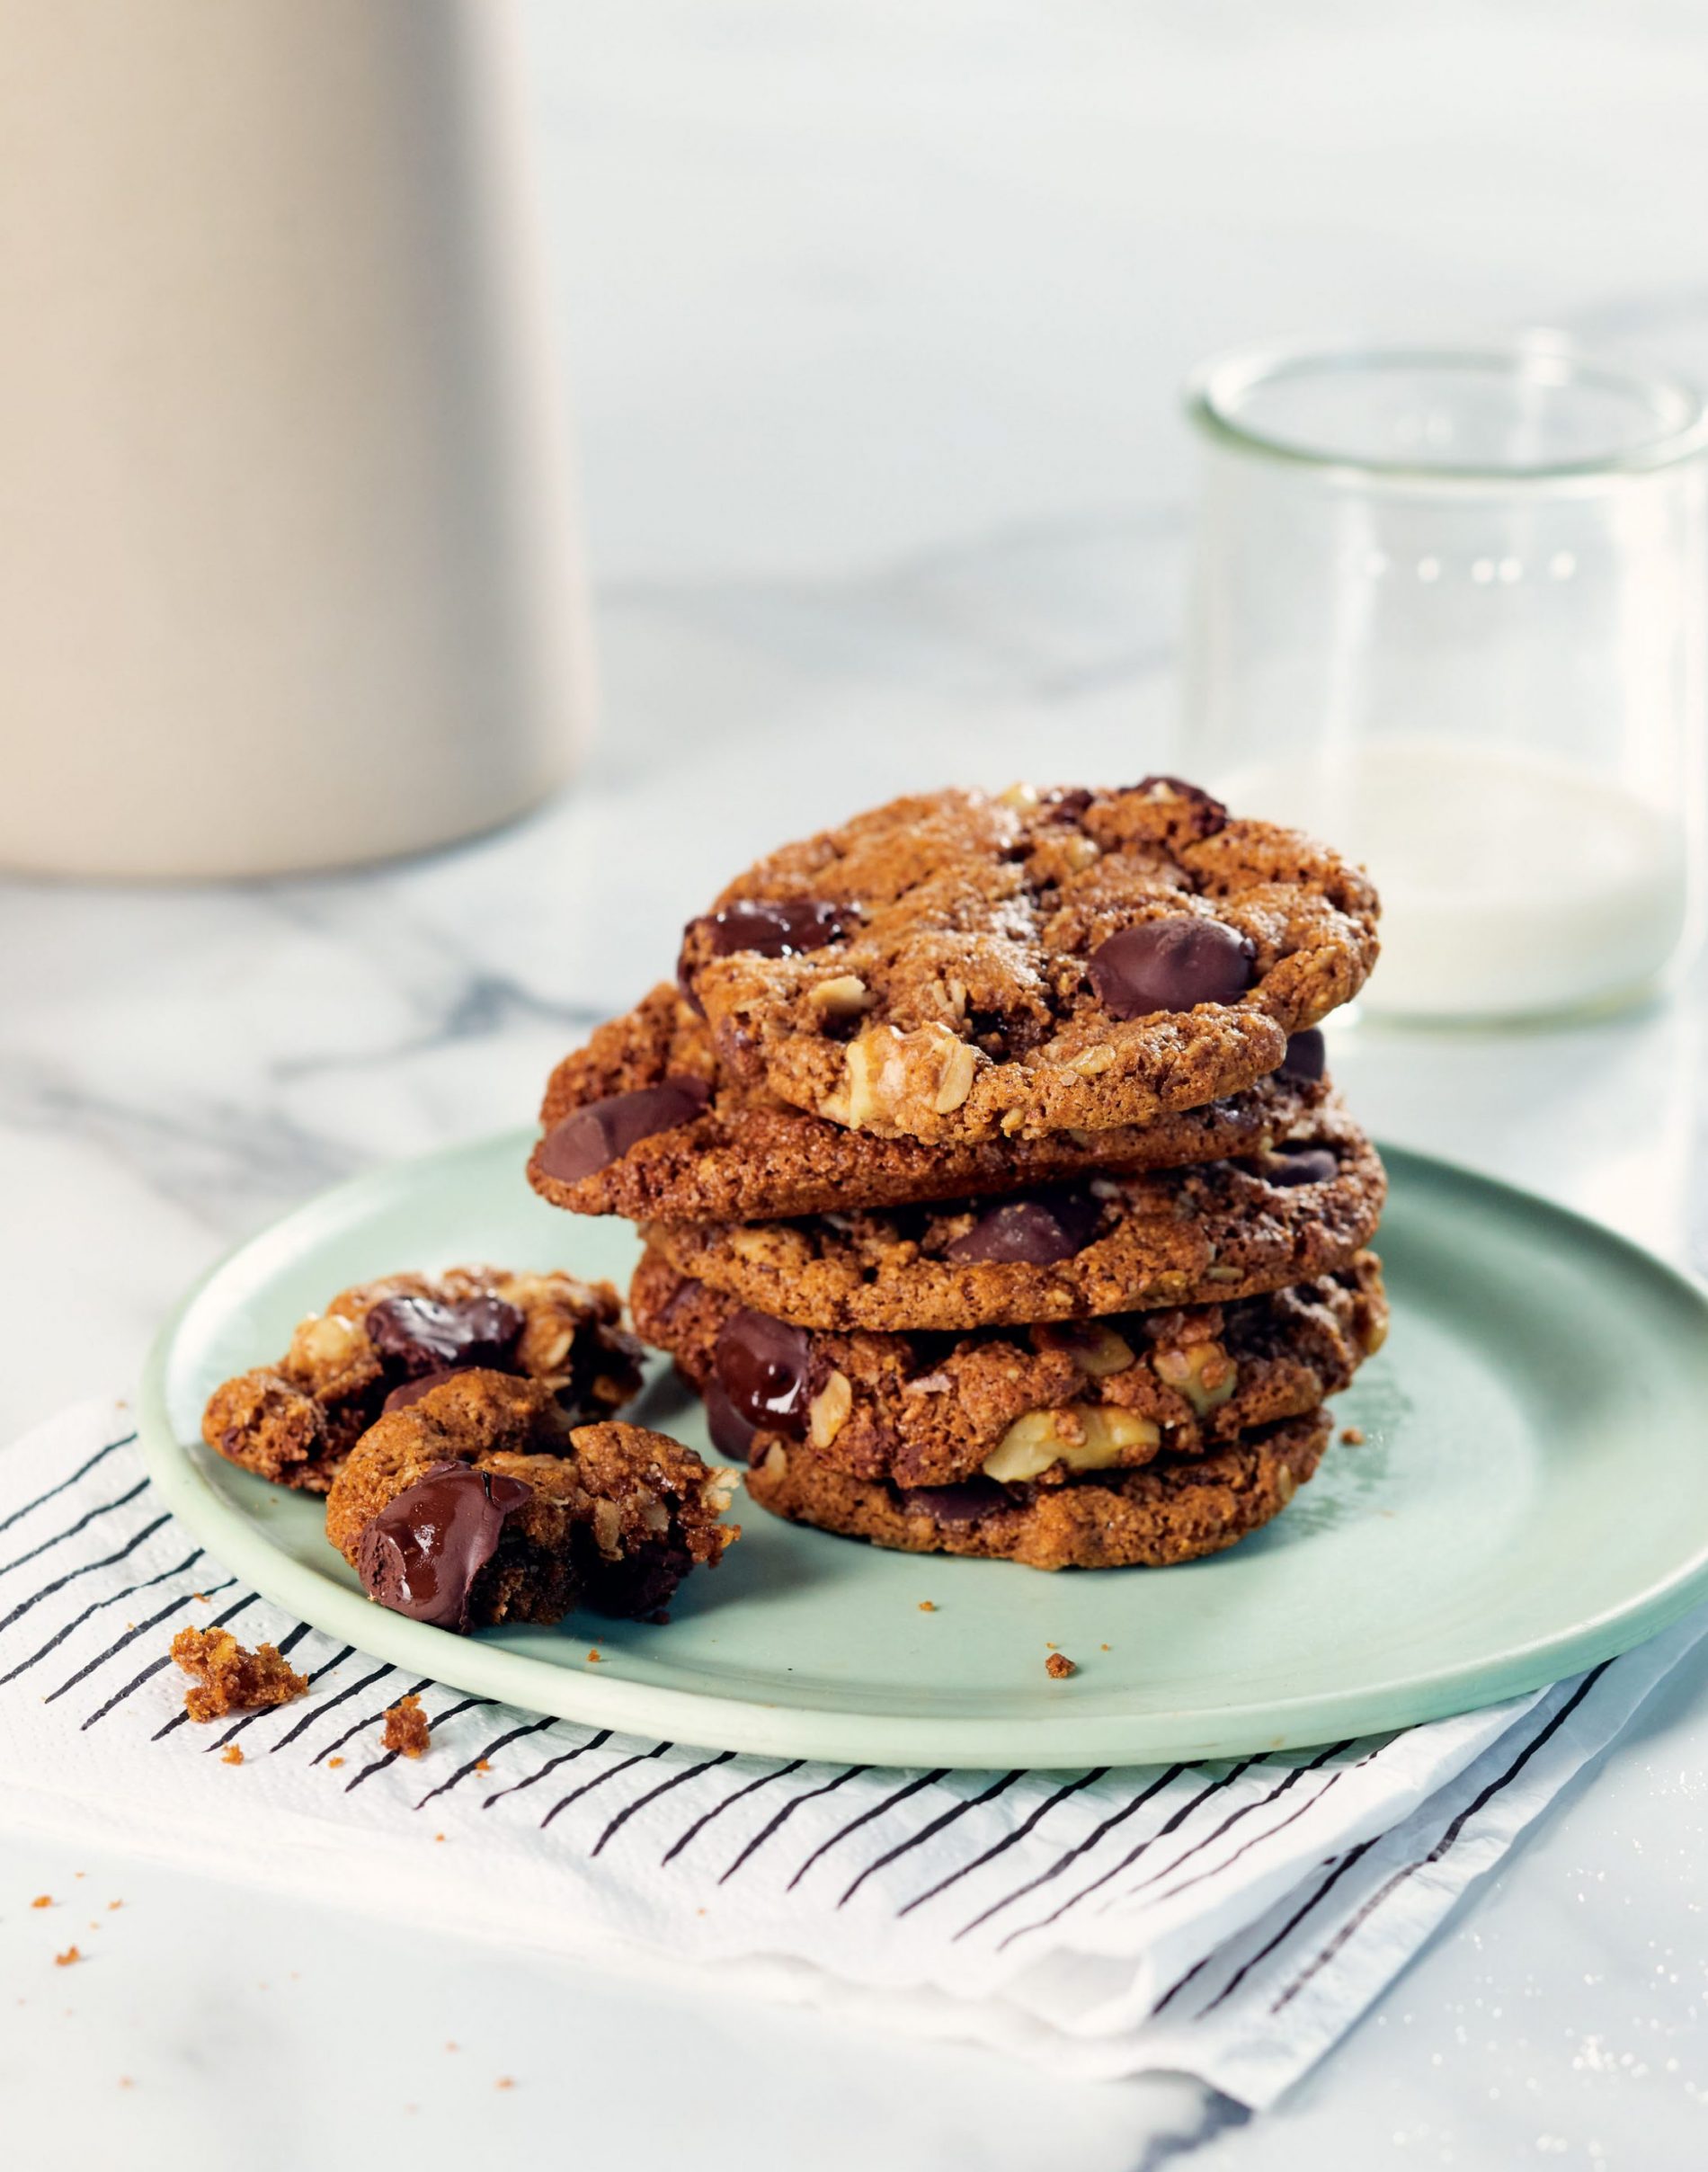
(876, 315)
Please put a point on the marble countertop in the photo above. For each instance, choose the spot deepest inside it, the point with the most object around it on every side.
(876, 318)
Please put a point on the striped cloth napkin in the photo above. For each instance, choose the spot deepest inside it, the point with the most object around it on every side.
(1228, 1920)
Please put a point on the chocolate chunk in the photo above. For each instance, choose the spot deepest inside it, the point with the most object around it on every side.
(732, 1436)
(421, 1554)
(1170, 964)
(415, 1335)
(780, 927)
(604, 1131)
(1037, 1231)
(1307, 1056)
(776, 926)
(1291, 1165)
(959, 1504)
(639, 1583)
(763, 1363)
(411, 1391)
(1067, 805)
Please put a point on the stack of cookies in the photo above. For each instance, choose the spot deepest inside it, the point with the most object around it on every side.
(994, 1196)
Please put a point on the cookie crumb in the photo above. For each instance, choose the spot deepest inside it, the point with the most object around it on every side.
(1353, 1436)
(333, 1763)
(68, 1958)
(115, 1904)
(506, 2081)
(928, 1606)
(1058, 1666)
(125, 2082)
(407, 1733)
(42, 1901)
(483, 1764)
(228, 1679)
(233, 1755)
(595, 1657)
(439, 1836)
(1103, 1647)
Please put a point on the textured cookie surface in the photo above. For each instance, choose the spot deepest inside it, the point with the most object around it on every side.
(1106, 1244)
(959, 965)
(1174, 1509)
(723, 1150)
(1028, 1404)
(481, 1503)
(378, 1343)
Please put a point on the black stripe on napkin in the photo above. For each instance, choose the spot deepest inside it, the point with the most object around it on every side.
(778, 1772)
(482, 1757)
(1073, 1854)
(116, 1598)
(567, 1756)
(88, 1569)
(1295, 1773)
(1012, 1840)
(89, 1516)
(691, 1772)
(641, 1756)
(930, 1832)
(1446, 1843)
(83, 1471)
(1169, 1824)
(786, 1813)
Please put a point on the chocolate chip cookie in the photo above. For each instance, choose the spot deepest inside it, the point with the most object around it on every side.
(383, 1343)
(1106, 1244)
(964, 966)
(1175, 1509)
(1023, 1404)
(645, 1122)
(481, 1503)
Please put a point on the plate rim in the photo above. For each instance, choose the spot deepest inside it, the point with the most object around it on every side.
(1073, 1740)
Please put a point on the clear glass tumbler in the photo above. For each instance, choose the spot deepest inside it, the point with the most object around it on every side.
(1448, 613)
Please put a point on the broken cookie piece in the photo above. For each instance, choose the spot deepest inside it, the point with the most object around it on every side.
(406, 1732)
(229, 1678)
(482, 1502)
(382, 1344)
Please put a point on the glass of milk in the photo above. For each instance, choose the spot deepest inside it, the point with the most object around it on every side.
(1448, 613)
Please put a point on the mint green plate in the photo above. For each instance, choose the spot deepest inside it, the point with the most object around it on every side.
(1531, 1496)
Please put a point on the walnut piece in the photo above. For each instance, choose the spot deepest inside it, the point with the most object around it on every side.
(827, 1413)
(1081, 1435)
(1202, 1372)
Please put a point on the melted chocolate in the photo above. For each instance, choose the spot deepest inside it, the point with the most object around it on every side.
(1307, 1056)
(776, 926)
(1037, 1231)
(421, 1554)
(731, 1435)
(1291, 1165)
(411, 1391)
(1170, 964)
(604, 1131)
(762, 1366)
(958, 1504)
(415, 1335)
